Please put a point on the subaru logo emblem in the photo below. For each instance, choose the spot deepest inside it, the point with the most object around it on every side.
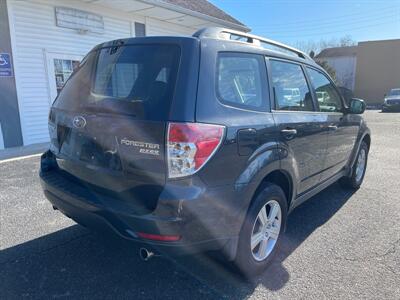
(79, 122)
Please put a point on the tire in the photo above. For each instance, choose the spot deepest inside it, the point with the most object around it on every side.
(252, 262)
(356, 177)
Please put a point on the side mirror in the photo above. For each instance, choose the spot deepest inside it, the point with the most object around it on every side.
(356, 106)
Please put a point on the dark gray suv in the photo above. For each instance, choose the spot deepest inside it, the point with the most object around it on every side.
(200, 143)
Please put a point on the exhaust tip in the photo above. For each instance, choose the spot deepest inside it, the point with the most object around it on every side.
(145, 254)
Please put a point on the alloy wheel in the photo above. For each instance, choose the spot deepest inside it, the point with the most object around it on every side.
(361, 162)
(266, 230)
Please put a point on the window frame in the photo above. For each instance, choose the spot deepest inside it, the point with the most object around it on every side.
(264, 84)
(344, 105)
(274, 106)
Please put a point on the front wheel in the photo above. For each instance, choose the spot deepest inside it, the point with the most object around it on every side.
(356, 177)
(262, 230)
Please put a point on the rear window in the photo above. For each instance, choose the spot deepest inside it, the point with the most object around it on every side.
(138, 80)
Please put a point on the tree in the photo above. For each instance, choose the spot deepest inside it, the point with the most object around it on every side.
(331, 71)
(318, 46)
(312, 47)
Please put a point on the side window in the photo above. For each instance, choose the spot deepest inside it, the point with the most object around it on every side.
(328, 98)
(290, 87)
(240, 80)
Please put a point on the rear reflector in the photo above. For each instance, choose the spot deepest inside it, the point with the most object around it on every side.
(157, 237)
(190, 146)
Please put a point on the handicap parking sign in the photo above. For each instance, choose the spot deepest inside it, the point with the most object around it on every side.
(5, 65)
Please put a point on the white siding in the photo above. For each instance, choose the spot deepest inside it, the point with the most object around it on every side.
(345, 68)
(35, 36)
(157, 27)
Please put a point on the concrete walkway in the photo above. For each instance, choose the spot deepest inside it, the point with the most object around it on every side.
(18, 152)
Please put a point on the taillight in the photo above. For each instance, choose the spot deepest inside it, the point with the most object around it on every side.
(190, 146)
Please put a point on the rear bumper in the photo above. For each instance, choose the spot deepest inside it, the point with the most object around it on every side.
(205, 219)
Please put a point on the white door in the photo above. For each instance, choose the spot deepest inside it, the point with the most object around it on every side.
(59, 69)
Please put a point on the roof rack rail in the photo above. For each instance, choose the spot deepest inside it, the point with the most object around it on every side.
(226, 34)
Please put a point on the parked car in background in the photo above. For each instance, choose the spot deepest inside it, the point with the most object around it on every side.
(292, 94)
(392, 100)
(190, 154)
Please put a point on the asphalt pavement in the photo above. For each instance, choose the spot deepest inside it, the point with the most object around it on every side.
(339, 244)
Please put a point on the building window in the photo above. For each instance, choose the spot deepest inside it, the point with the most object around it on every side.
(140, 29)
(63, 69)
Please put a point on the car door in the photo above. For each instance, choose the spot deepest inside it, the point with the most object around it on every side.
(301, 127)
(342, 128)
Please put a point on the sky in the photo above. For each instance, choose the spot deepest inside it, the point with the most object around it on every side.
(291, 21)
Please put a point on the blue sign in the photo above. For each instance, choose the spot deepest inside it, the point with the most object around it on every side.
(5, 65)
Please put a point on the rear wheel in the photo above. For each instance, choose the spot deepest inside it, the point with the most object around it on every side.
(262, 230)
(356, 177)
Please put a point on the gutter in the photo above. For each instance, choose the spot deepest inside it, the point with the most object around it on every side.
(186, 11)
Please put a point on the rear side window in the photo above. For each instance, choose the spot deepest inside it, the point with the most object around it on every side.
(138, 80)
(290, 87)
(240, 80)
(329, 99)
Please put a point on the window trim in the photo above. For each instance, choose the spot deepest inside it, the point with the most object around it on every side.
(264, 84)
(344, 106)
(274, 107)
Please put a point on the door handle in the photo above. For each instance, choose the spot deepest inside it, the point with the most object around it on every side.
(289, 133)
(332, 127)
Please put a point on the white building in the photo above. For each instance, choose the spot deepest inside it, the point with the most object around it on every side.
(44, 39)
(343, 60)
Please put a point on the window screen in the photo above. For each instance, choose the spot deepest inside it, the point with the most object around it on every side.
(290, 87)
(63, 69)
(240, 80)
(140, 29)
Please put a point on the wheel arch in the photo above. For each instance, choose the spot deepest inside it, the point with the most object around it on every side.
(276, 176)
(367, 139)
(282, 179)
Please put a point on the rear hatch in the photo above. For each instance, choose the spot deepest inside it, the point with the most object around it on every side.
(108, 125)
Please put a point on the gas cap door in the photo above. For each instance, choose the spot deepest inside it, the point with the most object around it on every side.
(247, 141)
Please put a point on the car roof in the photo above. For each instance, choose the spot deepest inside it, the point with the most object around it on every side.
(144, 40)
(268, 46)
(245, 43)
